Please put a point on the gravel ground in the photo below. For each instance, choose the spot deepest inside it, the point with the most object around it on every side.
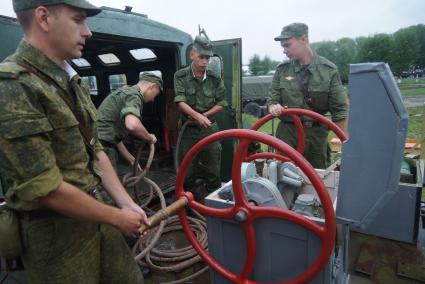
(414, 101)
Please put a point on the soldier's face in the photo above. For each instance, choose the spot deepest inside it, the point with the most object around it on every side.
(294, 47)
(199, 61)
(151, 93)
(69, 32)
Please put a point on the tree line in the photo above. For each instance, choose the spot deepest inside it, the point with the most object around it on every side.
(403, 50)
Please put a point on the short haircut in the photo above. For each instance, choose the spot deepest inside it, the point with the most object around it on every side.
(25, 17)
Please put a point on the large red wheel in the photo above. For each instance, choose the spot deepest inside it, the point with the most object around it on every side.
(246, 213)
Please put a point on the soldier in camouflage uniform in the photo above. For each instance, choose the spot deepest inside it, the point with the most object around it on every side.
(200, 95)
(51, 160)
(121, 112)
(306, 81)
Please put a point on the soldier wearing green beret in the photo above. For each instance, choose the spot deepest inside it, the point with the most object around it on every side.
(51, 159)
(307, 81)
(200, 95)
(120, 113)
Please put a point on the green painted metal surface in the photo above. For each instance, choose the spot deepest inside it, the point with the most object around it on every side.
(231, 53)
(11, 34)
(120, 23)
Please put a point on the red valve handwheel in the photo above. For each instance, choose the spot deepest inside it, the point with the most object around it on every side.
(250, 212)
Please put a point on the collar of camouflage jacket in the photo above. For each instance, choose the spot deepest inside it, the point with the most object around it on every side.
(42, 63)
(311, 67)
(193, 74)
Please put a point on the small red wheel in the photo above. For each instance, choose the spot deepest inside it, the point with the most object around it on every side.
(246, 213)
(294, 114)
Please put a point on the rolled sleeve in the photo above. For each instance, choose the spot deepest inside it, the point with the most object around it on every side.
(26, 152)
(180, 91)
(337, 99)
(38, 186)
(29, 161)
(132, 105)
(98, 147)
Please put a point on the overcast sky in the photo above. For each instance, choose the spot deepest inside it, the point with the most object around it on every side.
(258, 22)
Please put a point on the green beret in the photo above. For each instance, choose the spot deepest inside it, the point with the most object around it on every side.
(292, 30)
(151, 77)
(203, 46)
(21, 5)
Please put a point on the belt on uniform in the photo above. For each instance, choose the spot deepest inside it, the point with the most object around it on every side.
(195, 124)
(306, 124)
(107, 144)
(46, 213)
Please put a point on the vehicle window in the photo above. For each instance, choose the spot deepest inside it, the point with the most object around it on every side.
(143, 54)
(216, 65)
(117, 81)
(92, 83)
(109, 59)
(81, 62)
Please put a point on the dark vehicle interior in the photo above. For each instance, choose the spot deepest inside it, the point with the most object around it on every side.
(109, 62)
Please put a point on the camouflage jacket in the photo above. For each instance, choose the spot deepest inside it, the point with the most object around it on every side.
(40, 142)
(321, 80)
(199, 94)
(112, 112)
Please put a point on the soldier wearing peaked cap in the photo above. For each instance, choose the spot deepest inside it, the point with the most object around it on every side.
(121, 113)
(200, 95)
(307, 81)
(51, 159)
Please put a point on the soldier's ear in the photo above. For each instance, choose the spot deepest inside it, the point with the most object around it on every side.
(42, 17)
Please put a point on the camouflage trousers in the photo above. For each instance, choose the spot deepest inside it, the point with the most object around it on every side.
(207, 163)
(316, 150)
(63, 250)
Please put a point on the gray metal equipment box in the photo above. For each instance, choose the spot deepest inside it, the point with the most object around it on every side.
(284, 249)
(368, 183)
(372, 199)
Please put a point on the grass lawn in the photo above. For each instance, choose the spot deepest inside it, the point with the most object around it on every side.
(411, 81)
(412, 90)
(415, 122)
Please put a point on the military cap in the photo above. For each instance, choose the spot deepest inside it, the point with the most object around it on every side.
(21, 5)
(151, 77)
(203, 46)
(292, 30)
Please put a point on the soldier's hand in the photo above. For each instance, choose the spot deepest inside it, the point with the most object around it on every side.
(153, 140)
(275, 110)
(203, 121)
(136, 208)
(128, 221)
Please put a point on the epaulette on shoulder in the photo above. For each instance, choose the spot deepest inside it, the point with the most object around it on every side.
(326, 62)
(11, 70)
(286, 62)
(182, 72)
